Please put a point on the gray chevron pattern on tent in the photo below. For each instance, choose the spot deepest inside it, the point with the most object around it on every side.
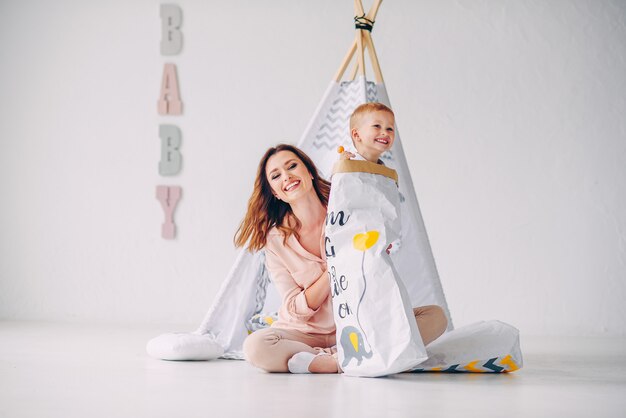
(335, 127)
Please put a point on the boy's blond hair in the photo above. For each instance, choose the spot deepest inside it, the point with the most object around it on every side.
(367, 108)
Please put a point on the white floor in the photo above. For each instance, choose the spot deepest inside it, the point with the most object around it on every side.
(64, 370)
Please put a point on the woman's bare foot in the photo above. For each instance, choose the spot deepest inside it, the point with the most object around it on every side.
(323, 364)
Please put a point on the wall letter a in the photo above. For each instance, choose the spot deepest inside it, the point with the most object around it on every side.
(169, 101)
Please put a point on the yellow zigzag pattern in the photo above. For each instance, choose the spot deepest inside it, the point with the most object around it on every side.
(504, 365)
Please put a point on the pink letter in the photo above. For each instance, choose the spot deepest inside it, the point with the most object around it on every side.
(169, 101)
(169, 197)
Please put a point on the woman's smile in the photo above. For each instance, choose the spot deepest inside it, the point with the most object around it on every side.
(291, 185)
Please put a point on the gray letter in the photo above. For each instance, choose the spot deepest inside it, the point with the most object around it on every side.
(171, 36)
(171, 158)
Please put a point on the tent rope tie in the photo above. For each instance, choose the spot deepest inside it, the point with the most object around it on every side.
(361, 22)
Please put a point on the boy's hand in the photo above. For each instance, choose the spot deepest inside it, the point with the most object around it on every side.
(344, 155)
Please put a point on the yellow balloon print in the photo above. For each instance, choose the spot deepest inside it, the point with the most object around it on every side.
(354, 339)
(364, 241)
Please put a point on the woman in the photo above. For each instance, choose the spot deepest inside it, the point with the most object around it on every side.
(286, 214)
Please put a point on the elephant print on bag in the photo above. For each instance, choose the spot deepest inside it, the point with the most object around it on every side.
(352, 343)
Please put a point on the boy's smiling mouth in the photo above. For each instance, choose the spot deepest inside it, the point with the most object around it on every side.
(382, 141)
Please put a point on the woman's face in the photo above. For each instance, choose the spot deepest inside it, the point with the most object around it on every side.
(288, 176)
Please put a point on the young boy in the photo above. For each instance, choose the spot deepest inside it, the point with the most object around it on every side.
(372, 128)
(373, 132)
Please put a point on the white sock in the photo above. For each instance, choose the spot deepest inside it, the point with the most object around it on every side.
(301, 361)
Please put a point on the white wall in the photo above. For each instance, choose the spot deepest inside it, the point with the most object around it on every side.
(511, 112)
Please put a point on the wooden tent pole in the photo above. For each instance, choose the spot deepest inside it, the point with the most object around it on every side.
(369, 43)
(378, 74)
(358, 10)
(345, 62)
(371, 15)
(355, 69)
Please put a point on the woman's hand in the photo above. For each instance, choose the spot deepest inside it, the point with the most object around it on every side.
(317, 293)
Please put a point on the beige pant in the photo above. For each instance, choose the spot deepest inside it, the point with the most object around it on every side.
(271, 348)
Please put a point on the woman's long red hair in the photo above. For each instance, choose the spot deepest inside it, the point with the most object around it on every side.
(265, 211)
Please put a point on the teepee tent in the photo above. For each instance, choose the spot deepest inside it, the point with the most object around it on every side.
(247, 301)
(247, 290)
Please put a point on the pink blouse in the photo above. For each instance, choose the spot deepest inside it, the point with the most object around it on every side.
(293, 270)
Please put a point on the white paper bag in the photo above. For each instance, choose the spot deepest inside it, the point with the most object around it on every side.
(376, 330)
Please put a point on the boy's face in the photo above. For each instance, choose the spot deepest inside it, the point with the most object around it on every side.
(374, 134)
